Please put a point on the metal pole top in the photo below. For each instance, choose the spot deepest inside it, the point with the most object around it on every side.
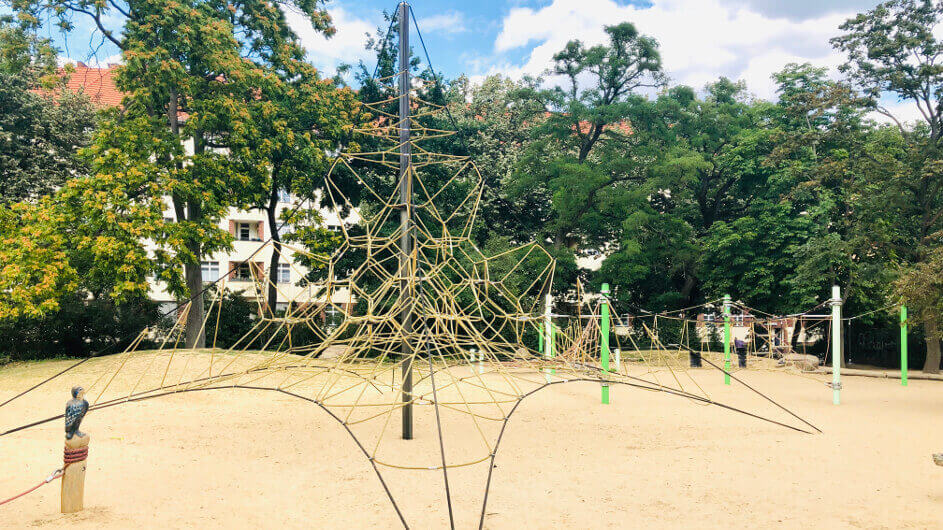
(605, 288)
(836, 296)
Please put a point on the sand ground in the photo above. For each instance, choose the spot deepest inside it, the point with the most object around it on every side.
(252, 459)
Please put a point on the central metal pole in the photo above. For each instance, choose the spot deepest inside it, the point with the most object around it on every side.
(406, 271)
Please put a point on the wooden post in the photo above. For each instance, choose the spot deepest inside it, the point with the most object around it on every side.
(73, 476)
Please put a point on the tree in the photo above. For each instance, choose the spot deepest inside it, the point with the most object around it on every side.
(300, 119)
(192, 73)
(827, 156)
(82, 243)
(582, 158)
(42, 126)
(892, 49)
(703, 165)
(921, 287)
(752, 257)
(494, 127)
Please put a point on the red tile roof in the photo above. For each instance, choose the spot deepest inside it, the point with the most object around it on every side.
(97, 83)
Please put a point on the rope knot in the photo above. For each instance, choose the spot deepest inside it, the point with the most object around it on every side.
(73, 456)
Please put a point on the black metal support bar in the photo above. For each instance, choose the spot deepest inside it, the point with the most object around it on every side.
(406, 271)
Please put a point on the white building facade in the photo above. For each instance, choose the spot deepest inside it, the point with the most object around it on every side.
(246, 267)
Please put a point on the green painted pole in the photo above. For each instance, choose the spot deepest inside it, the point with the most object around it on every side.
(604, 340)
(540, 339)
(727, 339)
(903, 345)
(836, 344)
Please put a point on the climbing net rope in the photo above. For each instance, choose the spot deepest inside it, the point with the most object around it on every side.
(471, 343)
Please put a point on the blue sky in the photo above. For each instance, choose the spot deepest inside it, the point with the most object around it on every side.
(700, 39)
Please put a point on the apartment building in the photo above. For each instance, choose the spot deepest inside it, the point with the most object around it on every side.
(244, 268)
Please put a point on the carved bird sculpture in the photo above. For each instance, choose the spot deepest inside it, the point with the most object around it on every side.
(75, 410)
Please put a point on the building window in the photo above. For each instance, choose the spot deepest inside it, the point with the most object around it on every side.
(284, 273)
(243, 231)
(243, 272)
(284, 196)
(333, 317)
(210, 270)
(334, 228)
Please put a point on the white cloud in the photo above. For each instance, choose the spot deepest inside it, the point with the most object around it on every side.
(803, 9)
(346, 46)
(448, 23)
(700, 39)
(905, 112)
(92, 60)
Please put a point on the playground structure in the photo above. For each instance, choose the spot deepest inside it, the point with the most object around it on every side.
(444, 334)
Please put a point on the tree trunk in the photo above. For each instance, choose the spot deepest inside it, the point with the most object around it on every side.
(932, 364)
(190, 211)
(196, 335)
(687, 289)
(272, 296)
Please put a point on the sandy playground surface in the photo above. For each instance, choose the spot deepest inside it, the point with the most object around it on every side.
(253, 459)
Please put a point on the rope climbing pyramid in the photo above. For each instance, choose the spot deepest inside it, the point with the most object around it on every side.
(444, 338)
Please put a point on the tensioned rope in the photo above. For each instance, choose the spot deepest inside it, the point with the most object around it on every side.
(477, 320)
(208, 285)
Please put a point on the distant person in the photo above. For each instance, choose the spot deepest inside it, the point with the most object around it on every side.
(741, 347)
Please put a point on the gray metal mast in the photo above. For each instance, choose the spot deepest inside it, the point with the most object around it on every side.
(405, 220)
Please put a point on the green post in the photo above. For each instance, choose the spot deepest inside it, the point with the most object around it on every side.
(604, 340)
(836, 344)
(540, 339)
(726, 339)
(903, 345)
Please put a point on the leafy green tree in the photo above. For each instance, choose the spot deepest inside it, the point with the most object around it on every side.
(494, 127)
(827, 155)
(193, 75)
(703, 165)
(42, 126)
(48, 260)
(920, 286)
(582, 159)
(752, 258)
(299, 121)
(892, 50)
(82, 242)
